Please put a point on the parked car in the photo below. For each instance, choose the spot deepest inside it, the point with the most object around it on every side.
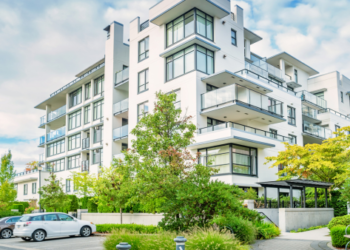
(7, 224)
(41, 225)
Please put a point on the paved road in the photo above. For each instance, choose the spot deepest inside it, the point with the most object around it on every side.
(64, 243)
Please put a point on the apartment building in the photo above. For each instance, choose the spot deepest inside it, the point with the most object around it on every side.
(243, 105)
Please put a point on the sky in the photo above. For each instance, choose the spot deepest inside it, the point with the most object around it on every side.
(45, 43)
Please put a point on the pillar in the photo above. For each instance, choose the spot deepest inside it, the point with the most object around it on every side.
(247, 48)
(315, 197)
(278, 197)
(291, 196)
(265, 195)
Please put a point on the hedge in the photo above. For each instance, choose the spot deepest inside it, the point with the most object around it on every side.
(339, 221)
(20, 207)
(9, 213)
(337, 235)
(108, 228)
(24, 203)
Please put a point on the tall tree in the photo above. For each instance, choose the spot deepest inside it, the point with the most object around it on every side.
(328, 162)
(83, 183)
(52, 195)
(7, 172)
(7, 195)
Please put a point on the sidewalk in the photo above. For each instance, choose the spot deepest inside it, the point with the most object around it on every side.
(318, 235)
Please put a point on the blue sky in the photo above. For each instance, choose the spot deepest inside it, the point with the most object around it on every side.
(43, 44)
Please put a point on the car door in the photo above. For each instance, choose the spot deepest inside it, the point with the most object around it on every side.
(69, 226)
(12, 221)
(52, 225)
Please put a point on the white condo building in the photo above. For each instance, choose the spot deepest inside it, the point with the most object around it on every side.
(243, 105)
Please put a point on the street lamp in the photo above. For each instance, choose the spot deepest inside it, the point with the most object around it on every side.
(40, 168)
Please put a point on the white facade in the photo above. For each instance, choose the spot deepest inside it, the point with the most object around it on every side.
(243, 105)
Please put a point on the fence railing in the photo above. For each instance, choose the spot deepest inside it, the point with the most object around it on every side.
(56, 134)
(310, 112)
(121, 76)
(144, 25)
(306, 96)
(241, 94)
(274, 204)
(120, 132)
(85, 166)
(328, 110)
(42, 120)
(85, 143)
(121, 106)
(56, 113)
(316, 130)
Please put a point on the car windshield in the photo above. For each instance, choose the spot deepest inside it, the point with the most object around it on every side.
(24, 218)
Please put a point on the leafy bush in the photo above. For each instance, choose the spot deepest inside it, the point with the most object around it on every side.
(108, 228)
(24, 203)
(339, 221)
(340, 206)
(337, 235)
(91, 206)
(73, 205)
(20, 207)
(242, 229)
(266, 230)
(135, 240)
(83, 202)
(29, 210)
(9, 213)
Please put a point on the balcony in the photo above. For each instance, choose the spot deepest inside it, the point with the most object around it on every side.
(85, 143)
(310, 114)
(56, 134)
(312, 100)
(56, 113)
(42, 121)
(85, 166)
(121, 133)
(144, 25)
(121, 107)
(315, 132)
(41, 158)
(236, 102)
(290, 82)
(331, 111)
(28, 176)
(267, 69)
(121, 77)
(41, 140)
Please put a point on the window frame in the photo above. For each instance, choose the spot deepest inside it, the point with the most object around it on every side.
(146, 83)
(54, 147)
(68, 186)
(95, 132)
(139, 116)
(293, 137)
(87, 114)
(71, 104)
(291, 118)
(62, 162)
(33, 187)
(98, 105)
(146, 50)
(75, 116)
(273, 132)
(70, 161)
(87, 93)
(94, 154)
(25, 189)
(235, 38)
(77, 140)
(97, 89)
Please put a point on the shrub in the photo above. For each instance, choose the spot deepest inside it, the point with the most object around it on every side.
(266, 230)
(73, 205)
(337, 235)
(244, 230)
(20, 207)
(91, 206)
(339, 221)
(24, 203)
(123, 235)
(108, 228)
(340, 206)
(9, 213)
(307, 229)
(29, 210)
(83, 202)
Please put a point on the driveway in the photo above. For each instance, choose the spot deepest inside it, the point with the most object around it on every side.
(64, 243)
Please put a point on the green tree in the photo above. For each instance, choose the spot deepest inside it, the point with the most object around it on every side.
(7, 172)
(52, 195)
(7, 195)
(328, 162)
(84, 184)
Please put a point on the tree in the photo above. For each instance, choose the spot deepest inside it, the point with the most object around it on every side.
(83, 184)
(32, 165)
(52, 195)
(328, 162)
(7, 195)
(7, 172)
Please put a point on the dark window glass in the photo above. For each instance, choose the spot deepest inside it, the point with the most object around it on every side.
(75, 98)
(144, 49)
(98, 133)
(56, 148)
(296, 75)
(74, 141)
(87, 91)
(73, 162)
(98, 110)
(234, 37)
(74, 120)
(57, 165)
(291, 115)
(87, 114)
(143, 81)
(50, 217)
(68, 182)
(341, 96)
(98, 85)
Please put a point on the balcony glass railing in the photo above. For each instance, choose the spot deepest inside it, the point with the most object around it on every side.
(56, 113)
(316, 130)
(121, 106)
(144, 25)
(246, 129)
(268, 68)
(41, 158)
(306, 96)
(85, 143)
(85, 166)
(42, 140)
(310, 112)
(120, 132)
(237, 93)
(42, 120)
(335, 113)
(31, 172)
(121, 76)
(56, 134)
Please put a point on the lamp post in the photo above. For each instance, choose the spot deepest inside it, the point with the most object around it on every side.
(40, 168)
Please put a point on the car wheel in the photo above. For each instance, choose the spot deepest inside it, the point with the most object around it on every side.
(6, 233)
(85, 231)
(39, 235)
(26, 238)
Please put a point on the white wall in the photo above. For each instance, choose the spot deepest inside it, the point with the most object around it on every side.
(114, 218)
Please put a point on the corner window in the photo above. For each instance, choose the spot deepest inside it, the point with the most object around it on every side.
(342, 96)
(74, 120)
(73, 162)
(74, 141)
(291, 115)
(25, 189)
(234, 37)
(143, 81)
(142, 110)
(144, 49)
(320, 95)
(34, 188)
(75, 98)
(87, 91)
(98, 110)
(98, 85)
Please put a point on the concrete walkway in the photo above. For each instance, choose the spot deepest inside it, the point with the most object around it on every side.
(310, 240)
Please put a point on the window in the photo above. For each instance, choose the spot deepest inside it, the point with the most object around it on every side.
(143, 49)
(25, 189)
(87, 114)
(213, 122)
(74, 141)
(34, 188)
(211, 87)
(143, 81)
(64, 217)
(293, 139)
(98, 85)
(98, 110)
(194, 21)
(75, 98)
(68, 182)
(234, 37)
(290, 88)
(124, 146)
(291, 115)
(73, 162)
(56, 148)
(273, 133)
(296, 75)
(50, 217)
(87, 91)
(142, 110)
(74, 120)
(184, 62)
(320, 94)
(98, 134)
(337, 127)
(341, 96)
(97, 156)
(57, 165)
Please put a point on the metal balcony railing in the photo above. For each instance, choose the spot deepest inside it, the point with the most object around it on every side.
(85, 166)
(56, 113)
(238, 93)
(85, 143)
(310, 112)
(322, 111)
(144, 25)
(120, 132)
(121, 106)
(42, 120)
(306, 96)
(56, 134)
(121, 76)
(316, 130)
(246, 129)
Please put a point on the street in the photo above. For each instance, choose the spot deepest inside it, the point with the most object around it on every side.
(66, 243)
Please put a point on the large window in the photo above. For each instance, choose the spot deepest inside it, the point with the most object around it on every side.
(231, 158)
(142, 110)
(87, 114)
(75, 98)
(98, 85)
(74, 120)
(68, 185)
(194, 21)
(34, 188)
(73, 162)
(144, 49)
(87, 91)
(143, 81)
(56, 148)
(25, 189)
(97, 156)
(74, 141)
(57, 165)
(184, 61)
(234, 37)
(98, 133)
(98, 110)
(291, 115)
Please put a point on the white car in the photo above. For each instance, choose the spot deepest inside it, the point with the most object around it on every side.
(41, 225)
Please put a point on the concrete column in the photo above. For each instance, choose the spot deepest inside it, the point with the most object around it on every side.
(247, 48)
(282, 67)
(291, 196)
(238, 13)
